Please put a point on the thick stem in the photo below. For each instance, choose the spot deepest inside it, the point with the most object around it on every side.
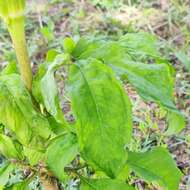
(16, 29)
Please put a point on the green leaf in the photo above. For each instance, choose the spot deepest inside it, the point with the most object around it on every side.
(156, 166)
(21, 186)
(61, 152)
(18, 113)
(7, 147)
(45, 89)
(153, 82)
(84, 45)
(103, 113)
(33, 156)
(5, 170)
(176, 122)
(47, 33)
(10, 69)
(56, 127)
(140, 45)
(184, 59)
(51, 55)
(69, 45)
(104, 184)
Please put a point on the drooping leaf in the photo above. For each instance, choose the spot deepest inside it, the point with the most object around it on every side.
(7, 147)
(104, 184)
(61, 151)
(103, 113)
(45, 89)
(5, 170)
(18, 113)
(154, 82)
(156, 166)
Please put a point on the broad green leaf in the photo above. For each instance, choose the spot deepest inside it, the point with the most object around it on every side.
(103, 114)
(7, 147)
(184, 59)
(156, 166)
(140, 45)
(5, 170)
(45, 89)
(69, 45)
(104, 184)
(33, 156)
(61, 152)
(154, 82)
(18, 113)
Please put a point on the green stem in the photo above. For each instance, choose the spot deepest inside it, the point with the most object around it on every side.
(17, 32)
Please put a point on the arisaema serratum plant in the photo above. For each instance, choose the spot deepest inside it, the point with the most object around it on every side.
(36, 136)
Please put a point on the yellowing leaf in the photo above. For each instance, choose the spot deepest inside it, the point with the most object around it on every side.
(18, 113)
